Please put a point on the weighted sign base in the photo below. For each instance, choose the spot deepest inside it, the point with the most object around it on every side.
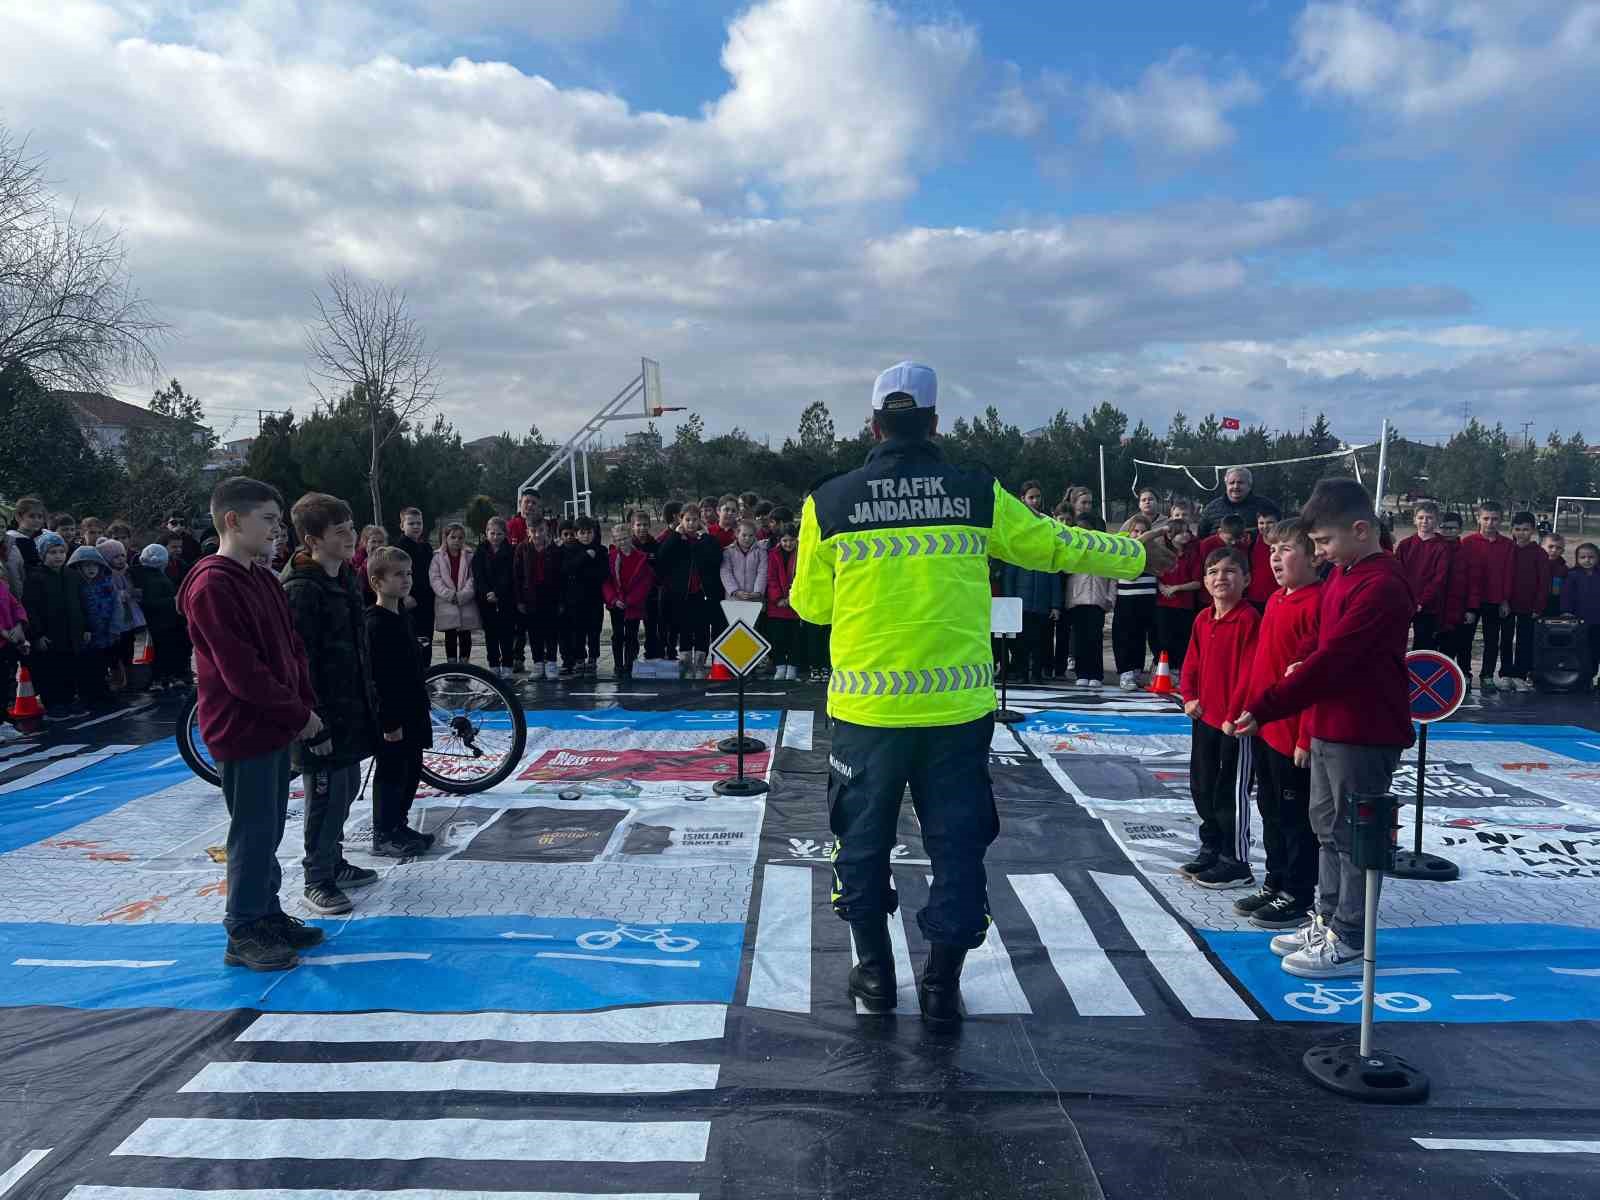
(1409, 864)
(1009, 716)
(1378, 1078)
(739, 787)
(747, 745)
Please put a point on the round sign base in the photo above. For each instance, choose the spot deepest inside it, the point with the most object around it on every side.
(1410, 865)
(740, 787)
(1379, 1078)
(1009, 716)
(732, 746)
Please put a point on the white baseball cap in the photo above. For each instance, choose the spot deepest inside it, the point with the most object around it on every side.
(905, 386)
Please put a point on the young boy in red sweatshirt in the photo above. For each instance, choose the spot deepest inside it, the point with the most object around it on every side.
(1262, 584)
(1176, 592)
(1216, 670)
(255, 699)
(1530, 588)
(1555, 548)
(1353, 682)
(1282, 749)
(1457, 622)
(1489, 554)
(625, 591)
(1425, 557)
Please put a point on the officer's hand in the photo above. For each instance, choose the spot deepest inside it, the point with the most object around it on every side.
(1159, 554)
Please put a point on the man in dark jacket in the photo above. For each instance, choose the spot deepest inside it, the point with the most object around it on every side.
(1239, 499)
(325, 602)
(419, 604)
(403, 716)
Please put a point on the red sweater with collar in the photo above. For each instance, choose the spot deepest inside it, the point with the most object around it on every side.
(1488, 569)
(1216, 669)
(1454, 612)
(1262, 585)
(1530, 579)
(1427, 568)
(1353, 678)
(1185, 570)
(1288, 624)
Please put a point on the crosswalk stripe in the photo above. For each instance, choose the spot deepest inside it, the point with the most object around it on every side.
(1092, 982)
(459, 1075)
(457, 1138)
(797, 729)
(656, 1023)
(1172, 952)
(780, 969)
(12, 1176)
(96, 1191)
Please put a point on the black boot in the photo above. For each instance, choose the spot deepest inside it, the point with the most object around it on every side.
(939, 993)
(872, 978)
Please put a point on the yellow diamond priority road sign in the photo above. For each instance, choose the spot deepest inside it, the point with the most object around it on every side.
(740, 648)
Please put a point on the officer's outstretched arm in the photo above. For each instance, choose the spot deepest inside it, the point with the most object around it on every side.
(1044, 544)
(811, 593)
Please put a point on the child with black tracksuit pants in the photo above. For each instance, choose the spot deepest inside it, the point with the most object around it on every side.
(58, 625)
(493, 565)
(406, 729)
(689, 564)
(326, 605)
(585, 567)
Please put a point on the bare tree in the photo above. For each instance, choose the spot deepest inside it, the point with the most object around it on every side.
(67, 307)
(366, 344)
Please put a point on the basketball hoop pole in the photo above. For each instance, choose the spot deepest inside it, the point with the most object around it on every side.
(1383, 467)
(1105, 500)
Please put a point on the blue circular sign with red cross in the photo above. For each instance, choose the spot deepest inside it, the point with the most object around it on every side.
(1438, 685)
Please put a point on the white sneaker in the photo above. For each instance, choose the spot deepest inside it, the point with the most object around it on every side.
(1525, 685)
(1083, 683)
(552, 671)
(699, 660)
(1095, 685)
(1506, 684)
(1128, 681)
(1328, 959)
(9, 733)
(1311, 932)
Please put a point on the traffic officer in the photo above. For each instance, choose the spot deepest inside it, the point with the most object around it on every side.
(895, 557)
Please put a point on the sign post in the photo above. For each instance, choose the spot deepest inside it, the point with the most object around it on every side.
(741, 649)
(1005, 622)
(1438, 686)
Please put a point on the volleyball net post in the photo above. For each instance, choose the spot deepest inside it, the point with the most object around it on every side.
(1219, 471)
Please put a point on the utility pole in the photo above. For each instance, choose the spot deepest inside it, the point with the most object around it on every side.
(1527, 441)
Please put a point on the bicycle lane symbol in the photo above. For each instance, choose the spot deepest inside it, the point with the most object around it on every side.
(597, 944)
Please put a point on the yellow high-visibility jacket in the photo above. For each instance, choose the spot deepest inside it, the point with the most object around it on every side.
(895, 557)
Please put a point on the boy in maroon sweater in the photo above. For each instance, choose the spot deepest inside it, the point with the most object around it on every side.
(1262, 581)
(1488, 555)
(1555, 548)
(1530, 588)
(1353, 680)
(255, 699)
(1283, 748)
(1425, 557)
(1215, 672)
(1458, 622)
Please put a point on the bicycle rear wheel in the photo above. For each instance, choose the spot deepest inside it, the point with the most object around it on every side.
(193, 747)
(479, 730)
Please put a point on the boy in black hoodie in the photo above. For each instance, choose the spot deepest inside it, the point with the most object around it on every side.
(493, 569)
(584, 569)
(406, 727)
(537, 570)
(414, 541)
(689, 564)
(325, 604)
(58, 626)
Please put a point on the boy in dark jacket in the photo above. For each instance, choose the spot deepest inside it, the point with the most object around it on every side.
(1530, 587)
(584, 568)
(255, 698)
(160, 602)
(414, 541)
(407, 728)
(493, 568)
(325, 602)
(645, 543)
(689, 564)
(537, 566)
(1032, 653)
(58, 626)
(1580, 597)
(97, 654)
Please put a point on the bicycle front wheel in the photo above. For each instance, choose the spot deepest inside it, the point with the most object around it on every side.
(479, 730)
(193, 747)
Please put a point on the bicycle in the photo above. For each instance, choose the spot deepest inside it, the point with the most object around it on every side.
(479, 732)
(1324, 1000)
(661, 939)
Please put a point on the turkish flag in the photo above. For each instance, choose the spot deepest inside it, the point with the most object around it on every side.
(1230, 422)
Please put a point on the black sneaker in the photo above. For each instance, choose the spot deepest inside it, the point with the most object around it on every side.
(328, 899)
(260, 947)
(422, 841)
(1285, 912)
(393, 844)
(1255, 901)
(1203, 861)
(351, 876)
(1225, 875)
(294, 931)
(568, 670)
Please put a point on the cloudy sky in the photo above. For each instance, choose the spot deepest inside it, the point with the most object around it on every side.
(1256, 208)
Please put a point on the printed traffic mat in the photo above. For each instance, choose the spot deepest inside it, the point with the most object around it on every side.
(608, 980)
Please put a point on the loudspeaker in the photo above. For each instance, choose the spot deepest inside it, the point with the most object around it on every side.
(1561, 655)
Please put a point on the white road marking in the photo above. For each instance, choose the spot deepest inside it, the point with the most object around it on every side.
(63, 766)
(1092, 982)
(1003, 741)
(989, 984)
(1592, 972)
(129, 963)
(458, 1075)
(167, 761)
(780, 970)
(735, 692)
(22, 758)
(100, 1191)
(1172, 951)
(121, 712)
(632, 962)
(540, 937)
(623, 1026)
(51, 804)
(1490, 996)
(613, 693)
(1418, 971)
(14, 1173)
(1510, 1145)
(462, 1139)
(339, 960)
(798, 728)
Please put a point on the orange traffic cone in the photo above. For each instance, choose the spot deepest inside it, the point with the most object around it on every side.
(719, 673)
(26, 705)
(143, 651)
(1161, 685)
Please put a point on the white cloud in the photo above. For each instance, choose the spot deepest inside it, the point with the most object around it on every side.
(1013, 110)
(1175, 108)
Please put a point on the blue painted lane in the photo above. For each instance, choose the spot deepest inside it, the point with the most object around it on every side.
(31, 814)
